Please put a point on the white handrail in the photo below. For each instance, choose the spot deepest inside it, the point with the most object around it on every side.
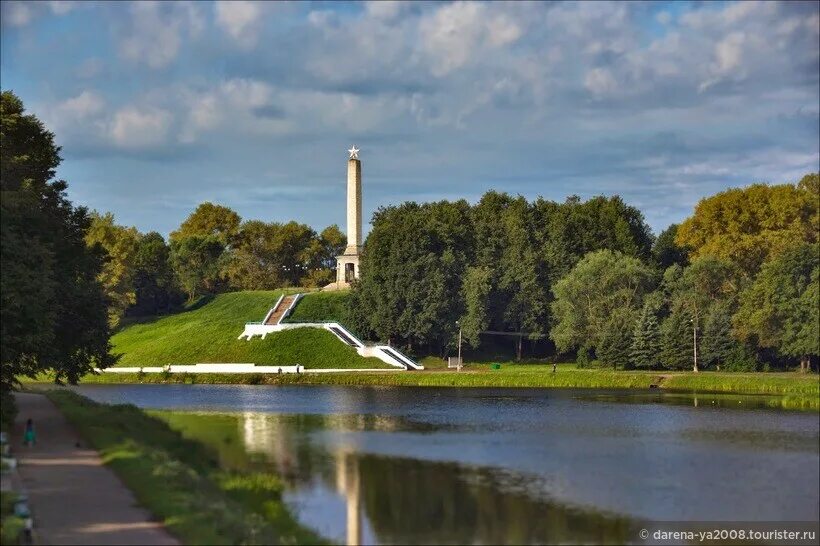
(348, 333)
(403, 358)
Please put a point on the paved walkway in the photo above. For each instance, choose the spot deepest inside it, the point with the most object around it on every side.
(74, 498)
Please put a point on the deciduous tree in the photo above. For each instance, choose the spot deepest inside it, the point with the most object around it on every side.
(52, 308)
(155, 284)
(197, 262)
(666, 251)
(780, 308)
(602, 284)
(477, 289)
(411, 274)
(209, 220)
(747, 226)
(119, 245)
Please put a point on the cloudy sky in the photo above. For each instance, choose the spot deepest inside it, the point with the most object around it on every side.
(160, 106)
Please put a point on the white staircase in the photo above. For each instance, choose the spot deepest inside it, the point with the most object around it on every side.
(284, 306)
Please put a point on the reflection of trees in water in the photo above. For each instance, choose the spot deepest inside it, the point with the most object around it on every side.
(408, 500)
(286, 441)
(405, 500)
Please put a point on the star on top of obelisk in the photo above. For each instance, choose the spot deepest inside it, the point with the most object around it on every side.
(354, 152)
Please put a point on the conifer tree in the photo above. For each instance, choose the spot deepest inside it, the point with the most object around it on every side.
(616, 341)
(646, 340)
(717, 345)
(676, 341)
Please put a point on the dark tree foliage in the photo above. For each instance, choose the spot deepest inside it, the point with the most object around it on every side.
(570, 230)
(198, 262)
(719, 348)
(717, 344)
(515, 250)
(667, 252)
(677, 340)
(412, 268)
(154, 281)
(780, 310)
(506, 247)
(646, 339)
(616, 341)
(477, 288)
(52, 308)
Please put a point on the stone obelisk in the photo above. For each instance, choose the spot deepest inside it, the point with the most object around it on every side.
(347, 265)
(354, 204)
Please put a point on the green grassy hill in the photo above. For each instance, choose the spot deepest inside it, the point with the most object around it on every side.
(207, 332)
(321, 307)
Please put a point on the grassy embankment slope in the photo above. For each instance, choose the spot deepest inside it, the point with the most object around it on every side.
(180, 481)
(321, 307)
(207, 333)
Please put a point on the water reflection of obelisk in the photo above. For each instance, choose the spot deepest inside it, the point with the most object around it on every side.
(348, 483)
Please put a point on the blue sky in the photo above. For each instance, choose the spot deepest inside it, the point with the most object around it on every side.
(160, 106)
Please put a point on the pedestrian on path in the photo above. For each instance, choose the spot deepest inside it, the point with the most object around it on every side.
(29, 437)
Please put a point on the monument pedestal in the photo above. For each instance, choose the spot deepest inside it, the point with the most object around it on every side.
(347, 269)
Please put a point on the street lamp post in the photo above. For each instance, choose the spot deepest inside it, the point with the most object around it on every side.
(458, 323)
(694, 344)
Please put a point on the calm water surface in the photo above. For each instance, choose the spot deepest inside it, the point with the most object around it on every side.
(485, 466)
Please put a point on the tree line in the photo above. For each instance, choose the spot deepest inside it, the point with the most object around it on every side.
(212, 251)
(734, 287)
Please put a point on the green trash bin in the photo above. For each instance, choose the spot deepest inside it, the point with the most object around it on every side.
(496, 366)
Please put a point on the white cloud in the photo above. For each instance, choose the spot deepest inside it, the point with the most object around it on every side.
(385, 9)
(61, 7)
(235, 101)
(600, 81)
(76, 115)
(729, 51)
(457, 33)
(133, 127)
(86, 104)
(691, 103)
(17, 14)
(240, 19)
(157, 31)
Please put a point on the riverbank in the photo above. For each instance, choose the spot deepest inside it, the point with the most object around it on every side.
(91, 505)
(180, 482)
(804, 389)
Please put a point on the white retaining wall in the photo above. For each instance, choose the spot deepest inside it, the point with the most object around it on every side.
(231, 368)
(208, 368)
(263, 330)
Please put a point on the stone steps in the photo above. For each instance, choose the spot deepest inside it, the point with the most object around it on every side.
(279, 312)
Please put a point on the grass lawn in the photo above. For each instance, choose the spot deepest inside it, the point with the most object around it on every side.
(207, 333)
(321, 307)
(179, 480)
(11, 526)
(803, 391)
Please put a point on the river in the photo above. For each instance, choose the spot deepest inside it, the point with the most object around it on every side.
(485, 466)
